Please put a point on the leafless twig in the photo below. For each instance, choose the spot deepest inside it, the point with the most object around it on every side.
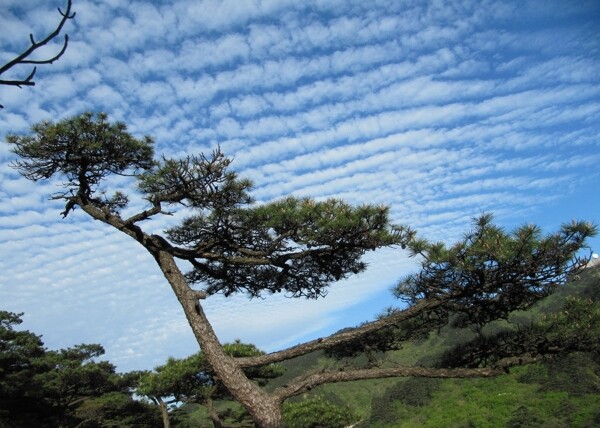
(23, 57)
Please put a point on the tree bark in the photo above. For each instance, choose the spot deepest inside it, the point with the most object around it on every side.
(309, 381)
(264, 408)
(164, 412)
(212, 414)
(342, 337)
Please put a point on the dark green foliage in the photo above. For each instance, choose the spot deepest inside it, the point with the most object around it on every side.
(17, 348)
(20, 361)
(69, 375)
(484, 349)
(260, 374)
(593, 421)
(382, 412)
(185, 379)
(523, 418)
(574, 328)
(116, 409)
(487, 276)
(297, 246)
(317, 412)
(43, 388)
(413, 392)
(491, 273)
(308, 244)
(84, 151)
(390, 338)
(183, 416)
(577, 374)
(197, 181)
(416, 392)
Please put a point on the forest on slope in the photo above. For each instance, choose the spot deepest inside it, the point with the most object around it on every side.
(559, 392)
(556, 393)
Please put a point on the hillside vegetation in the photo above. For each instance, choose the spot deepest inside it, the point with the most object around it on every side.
(557, 393)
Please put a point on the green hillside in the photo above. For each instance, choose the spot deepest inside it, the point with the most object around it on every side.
(560, 393)
(564, 392)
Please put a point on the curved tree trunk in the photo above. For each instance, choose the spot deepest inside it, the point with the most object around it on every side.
(264, 408)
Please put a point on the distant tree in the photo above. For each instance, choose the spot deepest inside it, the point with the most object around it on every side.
(116, 409)
(20, 352)
(71, 376)
(295, 246)
(45, 388)
(192, 380)
(85, 393)
(25, 56)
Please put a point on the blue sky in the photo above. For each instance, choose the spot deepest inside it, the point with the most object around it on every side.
(442, 110)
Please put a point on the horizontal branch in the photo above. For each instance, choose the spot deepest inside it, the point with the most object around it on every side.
(144, 215)
(193, 255)
(309, 381)
(249, 257)
(18, 83)
(23, 82)
(341, 337)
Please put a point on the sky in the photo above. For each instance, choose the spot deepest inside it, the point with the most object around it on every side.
(442, 110)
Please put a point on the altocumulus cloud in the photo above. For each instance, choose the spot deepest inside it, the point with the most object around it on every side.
(442, 110)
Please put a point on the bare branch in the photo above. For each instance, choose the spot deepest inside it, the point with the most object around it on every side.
(341, 337)
(309, 381)
(50, 60)
(156, 209)
(25, 82)
(23, 57)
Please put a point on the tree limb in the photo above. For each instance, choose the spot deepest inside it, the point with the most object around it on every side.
(341, 337)
(144, 215)
(22, 58)
(307, 382)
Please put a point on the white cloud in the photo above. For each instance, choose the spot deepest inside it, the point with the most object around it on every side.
(106, 97)
(442, 110)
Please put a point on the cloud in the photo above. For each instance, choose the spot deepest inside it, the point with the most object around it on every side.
(441, 110)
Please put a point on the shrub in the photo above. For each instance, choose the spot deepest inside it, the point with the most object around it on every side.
(415, 392)
(317, 413)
